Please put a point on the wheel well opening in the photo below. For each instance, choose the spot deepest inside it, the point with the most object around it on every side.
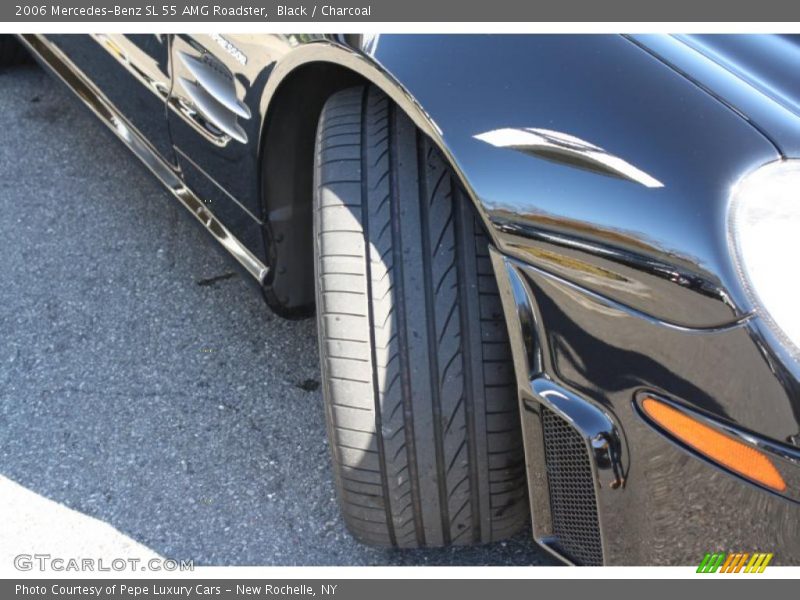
(287, 163)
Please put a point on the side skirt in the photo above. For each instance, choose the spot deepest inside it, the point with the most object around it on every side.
(53, 58)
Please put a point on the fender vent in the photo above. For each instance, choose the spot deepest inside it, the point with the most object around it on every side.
(213, 94)
(573, 505)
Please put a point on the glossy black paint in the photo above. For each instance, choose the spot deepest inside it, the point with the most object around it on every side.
(673, 506)
(133, 73)
(627, 286)
(752, 74)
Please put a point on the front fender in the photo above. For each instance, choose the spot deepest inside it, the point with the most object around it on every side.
(652, 238)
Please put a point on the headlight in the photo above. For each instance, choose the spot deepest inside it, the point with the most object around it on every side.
(765, 228)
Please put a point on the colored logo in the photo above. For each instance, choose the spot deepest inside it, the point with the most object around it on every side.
(739, 562)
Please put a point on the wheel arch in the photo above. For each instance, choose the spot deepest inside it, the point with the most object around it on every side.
(296, 90)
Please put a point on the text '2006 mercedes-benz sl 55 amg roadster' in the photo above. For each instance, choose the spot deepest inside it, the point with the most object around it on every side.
(555, 277)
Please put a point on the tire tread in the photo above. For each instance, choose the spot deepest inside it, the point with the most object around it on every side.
(427, 451)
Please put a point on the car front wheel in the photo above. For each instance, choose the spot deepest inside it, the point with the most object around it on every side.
(418, 383)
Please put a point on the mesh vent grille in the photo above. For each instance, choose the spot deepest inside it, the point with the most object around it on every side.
(573, 505)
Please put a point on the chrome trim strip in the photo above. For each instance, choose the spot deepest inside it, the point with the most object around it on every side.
(58, 62)
(519, 312)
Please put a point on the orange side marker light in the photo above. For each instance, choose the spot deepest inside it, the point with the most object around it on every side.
(717, 447)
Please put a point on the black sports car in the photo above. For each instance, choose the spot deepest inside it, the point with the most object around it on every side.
(555, 276)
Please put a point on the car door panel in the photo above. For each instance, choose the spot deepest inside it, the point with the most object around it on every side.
(133, 72)
(214, 114)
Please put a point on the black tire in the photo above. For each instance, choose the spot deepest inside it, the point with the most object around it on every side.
(12, 52)
(418, 383)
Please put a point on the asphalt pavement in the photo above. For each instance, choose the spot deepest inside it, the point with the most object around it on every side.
(144, 385)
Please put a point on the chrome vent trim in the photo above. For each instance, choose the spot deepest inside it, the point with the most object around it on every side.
(573, 503)
(213, 93)
(218, 81)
